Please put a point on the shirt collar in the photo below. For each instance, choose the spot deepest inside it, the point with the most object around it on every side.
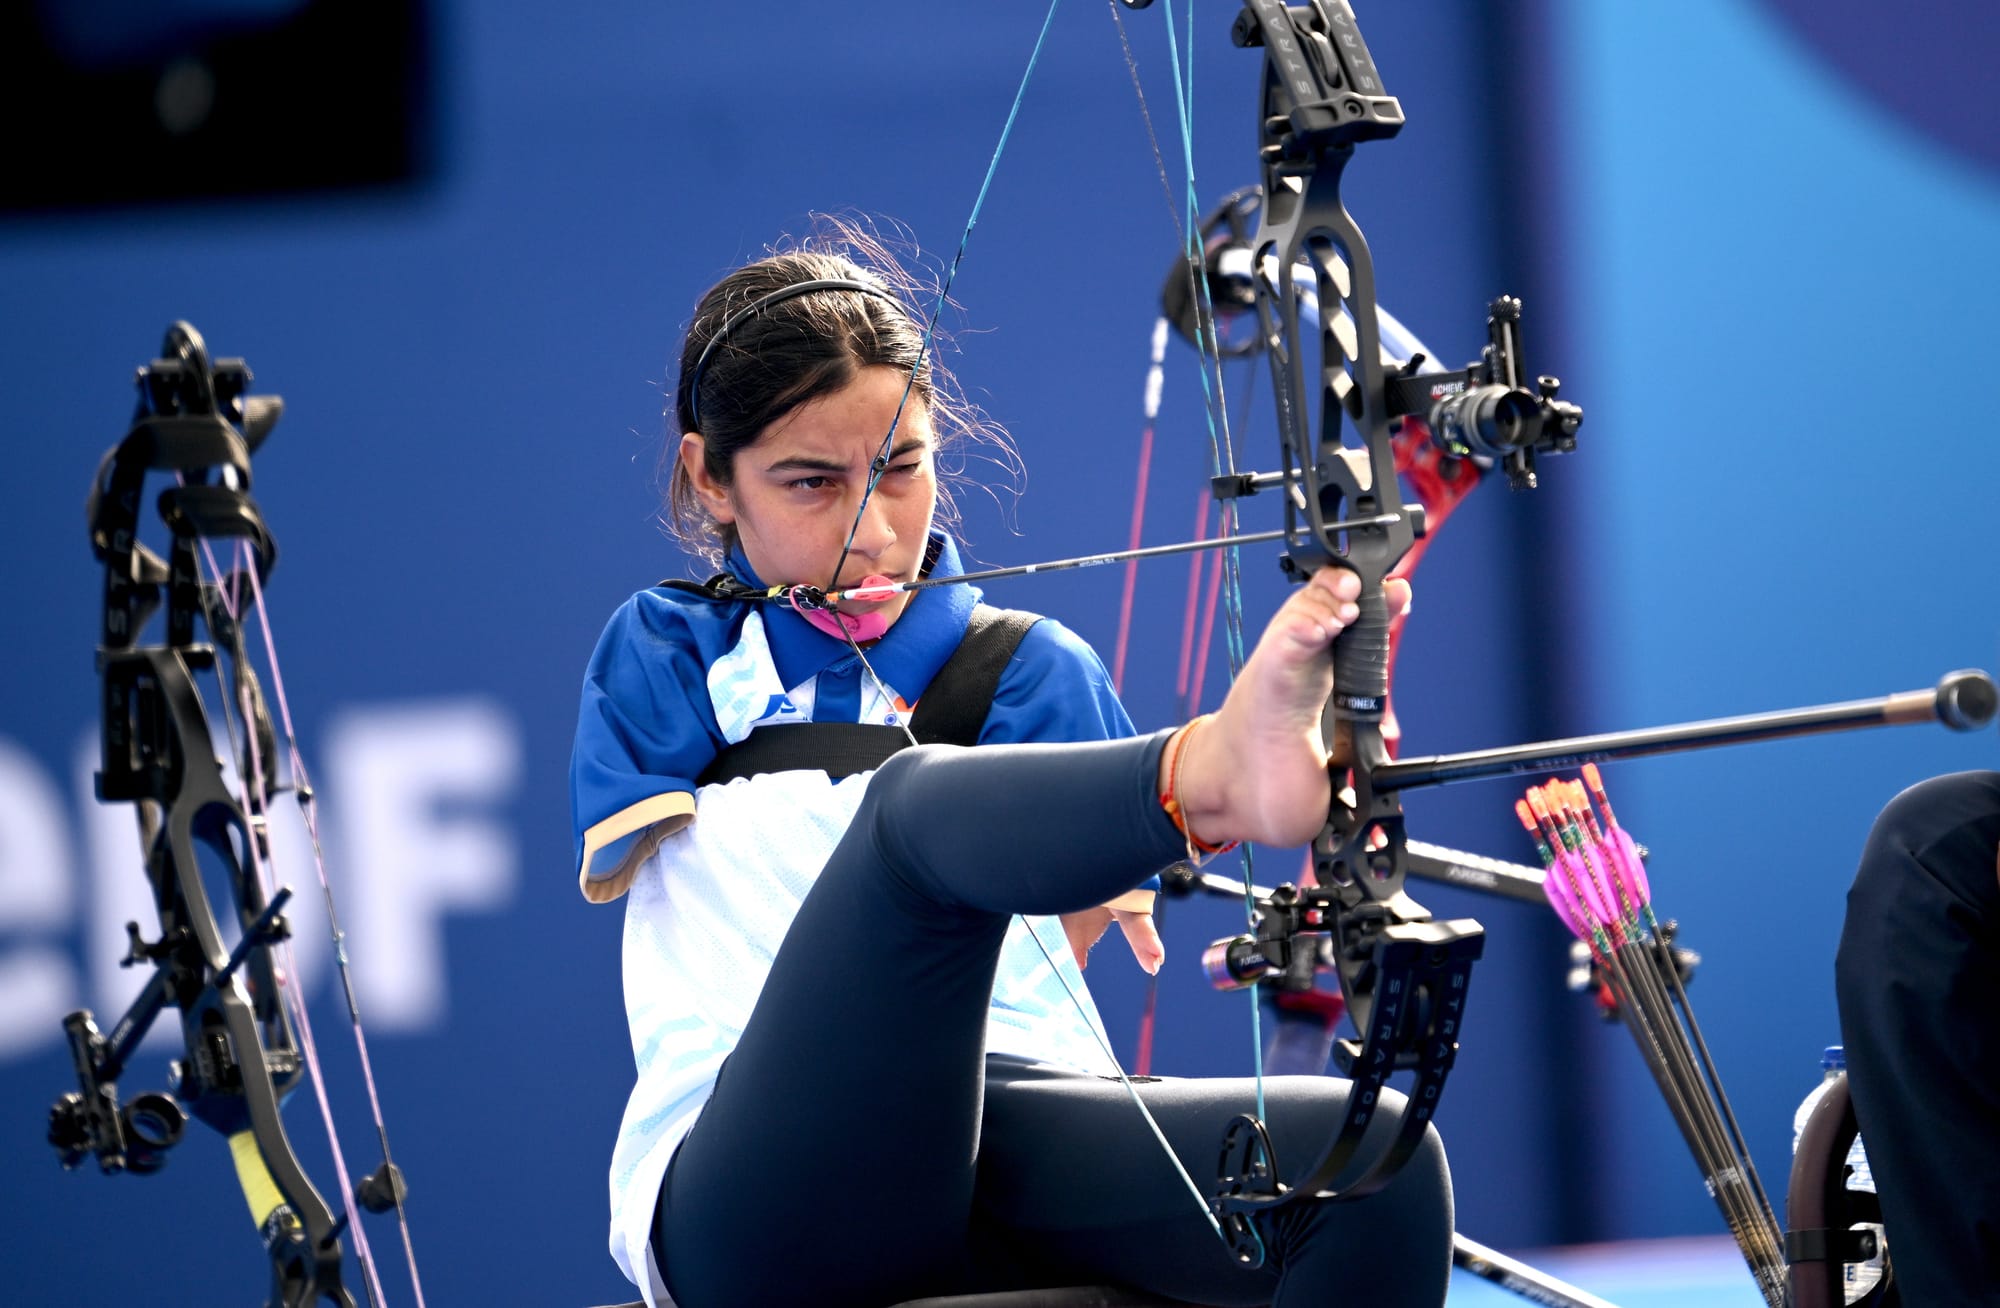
(907, 657)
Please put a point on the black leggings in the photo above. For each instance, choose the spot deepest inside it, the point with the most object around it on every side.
(1918, 976)
(860, 1148)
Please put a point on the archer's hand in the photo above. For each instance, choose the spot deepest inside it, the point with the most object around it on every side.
(1085, 928)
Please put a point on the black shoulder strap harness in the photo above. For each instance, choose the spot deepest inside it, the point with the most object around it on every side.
(951, 711)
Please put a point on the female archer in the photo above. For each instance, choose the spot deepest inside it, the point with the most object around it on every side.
(868, 1068)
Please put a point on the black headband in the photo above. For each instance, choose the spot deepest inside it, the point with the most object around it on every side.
(758, 305)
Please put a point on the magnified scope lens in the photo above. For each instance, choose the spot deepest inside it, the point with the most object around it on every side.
(1488, 421)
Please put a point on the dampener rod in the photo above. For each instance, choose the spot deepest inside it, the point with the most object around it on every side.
(1963, 701)
(1455, 867)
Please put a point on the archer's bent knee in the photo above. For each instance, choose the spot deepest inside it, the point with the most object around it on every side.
(896, 791)
(1427, 1167)
(1421, 1190)
(908, 798)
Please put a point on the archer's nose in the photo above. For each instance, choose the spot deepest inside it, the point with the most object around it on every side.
(873, 531)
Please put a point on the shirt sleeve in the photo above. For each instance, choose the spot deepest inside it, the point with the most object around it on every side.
(645, 730)
(1056, 689)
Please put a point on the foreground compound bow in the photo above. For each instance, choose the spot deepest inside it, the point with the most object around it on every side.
(1340, 414)
(1402, 975)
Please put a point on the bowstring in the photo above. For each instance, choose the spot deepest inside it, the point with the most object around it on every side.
(1090, 1022)
(308, 1045)
(1104, 1044)
(256, 803)
(1222, 446)
(302, 792)
(901, 719)
(1222, 458)
(879, 465)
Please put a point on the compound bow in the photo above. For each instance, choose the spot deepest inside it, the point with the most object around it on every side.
(245, 1051)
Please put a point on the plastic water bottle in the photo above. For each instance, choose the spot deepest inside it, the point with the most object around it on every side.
(1861, 1277)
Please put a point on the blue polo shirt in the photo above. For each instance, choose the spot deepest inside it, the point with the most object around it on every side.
(647, 728)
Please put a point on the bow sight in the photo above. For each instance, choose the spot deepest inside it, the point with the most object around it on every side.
(1482, 412)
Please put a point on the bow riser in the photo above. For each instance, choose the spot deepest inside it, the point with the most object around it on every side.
(1307, 136)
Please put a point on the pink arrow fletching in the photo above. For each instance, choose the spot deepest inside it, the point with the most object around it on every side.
(1563, 900)
(1596, 907)
(1631, 868)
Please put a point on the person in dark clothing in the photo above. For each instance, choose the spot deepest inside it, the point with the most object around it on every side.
(1918, 978)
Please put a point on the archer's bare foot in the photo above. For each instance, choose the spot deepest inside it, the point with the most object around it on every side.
(1257, 770)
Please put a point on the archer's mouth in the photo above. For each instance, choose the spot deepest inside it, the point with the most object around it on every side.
(873, 579)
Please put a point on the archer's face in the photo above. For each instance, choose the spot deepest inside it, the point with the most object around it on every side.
(795, 490)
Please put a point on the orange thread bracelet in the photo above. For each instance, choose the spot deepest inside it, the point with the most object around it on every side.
(1170, 801)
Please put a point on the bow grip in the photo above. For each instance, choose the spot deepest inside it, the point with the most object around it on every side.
(1361, 659)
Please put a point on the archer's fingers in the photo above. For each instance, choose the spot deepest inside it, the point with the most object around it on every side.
(1143, 937)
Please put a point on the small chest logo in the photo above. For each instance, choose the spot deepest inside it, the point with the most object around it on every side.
(779, 708)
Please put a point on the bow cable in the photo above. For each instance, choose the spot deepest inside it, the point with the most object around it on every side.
(1094, 1027)
(1222, 447)
(879, 465)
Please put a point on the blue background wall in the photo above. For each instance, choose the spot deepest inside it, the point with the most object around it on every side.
(1752, 268)
(1765, 260)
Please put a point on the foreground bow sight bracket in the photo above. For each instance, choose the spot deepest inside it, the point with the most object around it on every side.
(196, 421)
(1481, 412)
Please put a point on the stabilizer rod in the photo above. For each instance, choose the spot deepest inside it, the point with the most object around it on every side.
(1963, 701)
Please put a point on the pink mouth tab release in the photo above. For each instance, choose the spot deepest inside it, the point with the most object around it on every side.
(849, 626)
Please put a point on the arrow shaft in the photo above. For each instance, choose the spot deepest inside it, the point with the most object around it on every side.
(892, 589)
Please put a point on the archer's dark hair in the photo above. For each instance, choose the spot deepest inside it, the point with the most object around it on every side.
(798, 350)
